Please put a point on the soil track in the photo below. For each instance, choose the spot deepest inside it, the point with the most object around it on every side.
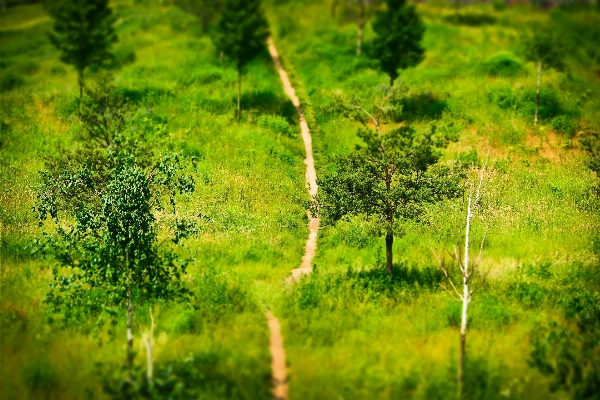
(311, 174)
(280, 389)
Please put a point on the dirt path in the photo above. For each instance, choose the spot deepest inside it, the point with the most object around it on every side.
(280, 386)
(311, 174)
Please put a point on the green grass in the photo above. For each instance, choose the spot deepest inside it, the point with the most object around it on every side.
(350, 331)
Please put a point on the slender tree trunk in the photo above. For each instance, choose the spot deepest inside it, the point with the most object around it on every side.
(239, 92)
(391, 82)
(361, 26)
(389, 242)
(149, 343)
(80, 81)
(537, 95)
(465, 301)
(333, 7)
(129, 334)
(129, 323)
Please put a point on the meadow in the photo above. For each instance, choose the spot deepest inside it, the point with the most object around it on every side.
(350, 330)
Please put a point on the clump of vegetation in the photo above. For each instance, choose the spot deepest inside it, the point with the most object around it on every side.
(503, 65)
(276, 124)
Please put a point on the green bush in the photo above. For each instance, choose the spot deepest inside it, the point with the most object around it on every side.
(276, 124)
(503, 65)
(565, 125)
(503, 98)
(10, 80)
(549, 105)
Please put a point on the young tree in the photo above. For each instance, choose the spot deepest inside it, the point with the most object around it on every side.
(242, 32)
(103, 200)
(399, 32)
(83, 33)
(469, 271)
(542, 45)
(391, 178)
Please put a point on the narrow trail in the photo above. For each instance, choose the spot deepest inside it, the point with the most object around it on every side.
(311, 174)
(280, 386)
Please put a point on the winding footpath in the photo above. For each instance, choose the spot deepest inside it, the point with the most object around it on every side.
(280, 389)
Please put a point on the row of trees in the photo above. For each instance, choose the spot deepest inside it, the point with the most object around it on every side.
(83, 33)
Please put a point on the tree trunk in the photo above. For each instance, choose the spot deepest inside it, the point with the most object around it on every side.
(361, 25)
(465, 301)
(391, 81)
(149, 343)
(80, 81)
(129, 334)
(537, 95)
(239, 92)
(333, 7)
(389, 241)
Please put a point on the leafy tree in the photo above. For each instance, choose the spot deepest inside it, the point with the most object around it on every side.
(83, 33)
(242, 31)
(103, 201)
(391, 178)
(399, 32)
(542, 45)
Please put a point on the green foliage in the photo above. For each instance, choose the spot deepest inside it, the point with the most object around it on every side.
(205, 10)
(83, 32)
(391, 177)
(399, 32)
(543, 44)
(565, 125)
(569, 353)
(110, 254)
(276, 124)
(10, 80)
(242, 31)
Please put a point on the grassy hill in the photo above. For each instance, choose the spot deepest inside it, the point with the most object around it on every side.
(350, 331)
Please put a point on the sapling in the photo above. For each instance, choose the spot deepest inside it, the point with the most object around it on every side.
(543, 47)
(83, 33)
(468, 270)
(241, 35)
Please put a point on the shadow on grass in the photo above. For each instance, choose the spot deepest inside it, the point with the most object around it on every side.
(422, 106)
(470, 19)
(269, 103)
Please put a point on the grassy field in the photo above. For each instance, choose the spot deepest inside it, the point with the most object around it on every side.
(350, 331)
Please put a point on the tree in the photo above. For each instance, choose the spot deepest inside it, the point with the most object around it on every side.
(103, 201)
(83, 33)
(469, 272)
(542, 45)
(242, 31)
(391, 177)
(399, 32)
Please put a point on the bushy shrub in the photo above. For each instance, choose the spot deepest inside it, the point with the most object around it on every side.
(565, 125)
(10, 80)
(503, 98)
(503, 64)
(276, 124)
(549, 105)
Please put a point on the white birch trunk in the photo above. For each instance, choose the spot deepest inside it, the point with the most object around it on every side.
(465, 299)
(537, 95)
